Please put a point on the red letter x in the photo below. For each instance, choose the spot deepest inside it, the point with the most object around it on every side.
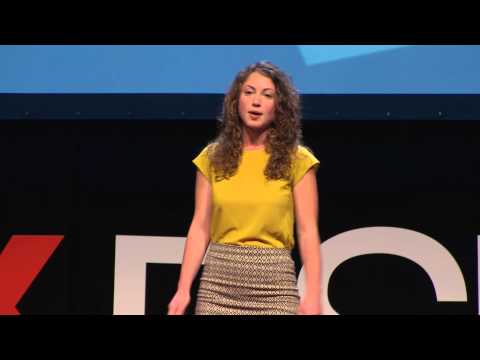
(20, 262)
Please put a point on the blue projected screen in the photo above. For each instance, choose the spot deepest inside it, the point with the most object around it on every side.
(200, 69)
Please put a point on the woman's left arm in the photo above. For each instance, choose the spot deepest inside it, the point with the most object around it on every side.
(306, 215)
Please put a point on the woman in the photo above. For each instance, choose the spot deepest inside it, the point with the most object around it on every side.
(253, 182)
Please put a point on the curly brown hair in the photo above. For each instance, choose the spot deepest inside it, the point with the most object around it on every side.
(283, 136)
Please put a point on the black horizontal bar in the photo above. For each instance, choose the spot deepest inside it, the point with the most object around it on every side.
(208, 106)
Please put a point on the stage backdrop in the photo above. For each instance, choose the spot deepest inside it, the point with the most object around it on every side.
(95, 214)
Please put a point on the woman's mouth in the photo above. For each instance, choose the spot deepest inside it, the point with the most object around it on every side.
(254, 114)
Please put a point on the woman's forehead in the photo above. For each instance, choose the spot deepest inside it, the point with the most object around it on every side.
(259, 81)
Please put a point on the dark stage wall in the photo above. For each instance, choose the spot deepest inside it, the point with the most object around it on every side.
(398, 213)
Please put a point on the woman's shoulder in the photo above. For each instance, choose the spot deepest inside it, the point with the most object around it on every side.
(208, 149)
(304, 152)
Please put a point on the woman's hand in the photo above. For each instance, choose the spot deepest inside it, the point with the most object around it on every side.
(310, 306)
(179, 303)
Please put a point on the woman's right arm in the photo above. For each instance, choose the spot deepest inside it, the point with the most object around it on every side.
(196, 244)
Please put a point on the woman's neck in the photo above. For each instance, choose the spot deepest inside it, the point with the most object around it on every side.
(254, 139)
(253, 147)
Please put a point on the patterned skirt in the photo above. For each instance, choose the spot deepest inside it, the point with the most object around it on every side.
(246, 280)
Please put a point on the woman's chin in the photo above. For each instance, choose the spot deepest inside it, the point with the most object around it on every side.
(257, 126)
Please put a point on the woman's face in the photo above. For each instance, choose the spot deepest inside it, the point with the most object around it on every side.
(257, 101)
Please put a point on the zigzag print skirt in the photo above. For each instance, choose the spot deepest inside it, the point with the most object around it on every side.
(246, 280)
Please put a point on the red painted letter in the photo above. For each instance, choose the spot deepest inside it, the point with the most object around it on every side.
(20, 262)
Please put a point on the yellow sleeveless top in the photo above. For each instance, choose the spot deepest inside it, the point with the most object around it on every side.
(248, 209)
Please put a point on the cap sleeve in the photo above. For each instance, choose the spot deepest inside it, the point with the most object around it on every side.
(304, 161)
(202, 163)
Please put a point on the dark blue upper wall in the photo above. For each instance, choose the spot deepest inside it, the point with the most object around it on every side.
(208, 107)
